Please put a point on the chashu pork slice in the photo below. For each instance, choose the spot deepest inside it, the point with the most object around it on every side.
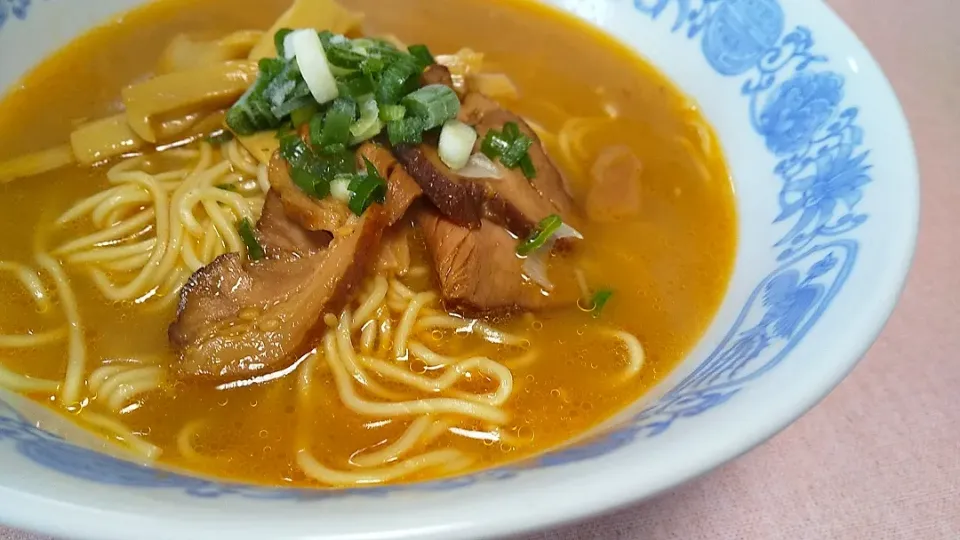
(479, 271)
(509, 200)
(238, 319)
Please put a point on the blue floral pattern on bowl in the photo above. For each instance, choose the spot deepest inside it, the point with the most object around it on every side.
(13, 8)
(796, 107)
(799, 108)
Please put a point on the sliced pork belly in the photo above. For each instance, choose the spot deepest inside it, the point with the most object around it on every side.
(479, 270)
(239, 318)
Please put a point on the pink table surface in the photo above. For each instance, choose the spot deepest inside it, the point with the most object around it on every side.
(880, 457)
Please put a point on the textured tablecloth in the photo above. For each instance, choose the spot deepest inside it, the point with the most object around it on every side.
(880, 457)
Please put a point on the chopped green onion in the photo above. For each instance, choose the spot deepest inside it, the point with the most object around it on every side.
(539, 237)
(293, 149)
(326, 38)
(367, 189)
(243, 120)
(227, 187)
(315, 130)
(303, 115)
(433, 104)
(527, 167)
(390, 113)
(372, 65)
(376, 46)
(278, 39)
(307, 182)
(512, 147)
(311, 172)
(220, 137)
(456, 144)
(289, 107)
(405, 131)
(254, 249)
(340, 188)
(517, 151)
(344, 56)
(251, 113)
(336, 164)
(368, 125)
(284, 86)
(335, 133)
(356, 85)
(314, 66)
(271, 67)
(398, 79)
(599, 300)
(511, 131)
(494, 145)
(422, 54)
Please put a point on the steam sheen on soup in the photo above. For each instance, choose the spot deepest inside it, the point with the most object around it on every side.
(331, 245)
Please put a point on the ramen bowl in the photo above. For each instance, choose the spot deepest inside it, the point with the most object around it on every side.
(827, 197)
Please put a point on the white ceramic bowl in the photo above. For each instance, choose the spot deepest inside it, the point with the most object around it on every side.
(827, 194)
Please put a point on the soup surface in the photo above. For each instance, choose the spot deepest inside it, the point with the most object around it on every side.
(586, 95)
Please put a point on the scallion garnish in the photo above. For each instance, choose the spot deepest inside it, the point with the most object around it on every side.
(312, 172)
(377, 46)
(456, 144)
(368, 125)
(527, 167)
(398, 79)
(308, 183)
(367, 189)
(405, 131)
(422, 54)
(372, 65)
(540, 236)
(287, 85)
(356, 85)
(391, 113)
(293, 149)
(271, 67)
(494, 144)
(287, 108)
(517, 151)
(326, 38)
(303, 115)
(599, 300)
(511, 147)
(335, 134)
(344, 56)
(254, 249)
(227, 187)
(311, 59)
(251, 113)
(433, 104)
(340, 188)
(315, 129)
(343, 92)
(278, 41)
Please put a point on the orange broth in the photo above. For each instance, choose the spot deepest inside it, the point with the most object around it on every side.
(669, 269)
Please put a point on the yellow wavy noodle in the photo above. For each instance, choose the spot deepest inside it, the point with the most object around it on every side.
(118, 385)
(152, 229)
(358, 372)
